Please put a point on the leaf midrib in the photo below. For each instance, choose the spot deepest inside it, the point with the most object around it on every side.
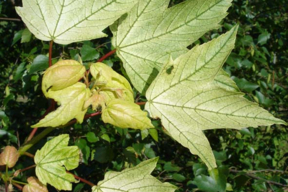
(135, 21)
(45, 155)
(197, 70)
(86, 17)
(215, 112)
(59, 17)
(57, 176)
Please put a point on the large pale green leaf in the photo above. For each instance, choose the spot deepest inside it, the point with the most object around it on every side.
(125, 114)
(150, 33)
(67, 21)
(61, 75)
(52, 158)
(71, 101)
(136, 179)
(191, 95)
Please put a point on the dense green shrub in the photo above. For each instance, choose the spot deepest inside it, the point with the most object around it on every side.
(251, 160)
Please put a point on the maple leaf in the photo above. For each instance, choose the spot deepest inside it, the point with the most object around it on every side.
(50, 160)
(68, 21)
(134, 179)
(150, 33)
(189, 96)
(71, 101)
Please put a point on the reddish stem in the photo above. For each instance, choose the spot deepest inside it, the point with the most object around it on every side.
(50, 53)
(107, 55)
(81, 179)
(141, 103)
(18, 186)
(33, 132)
(27, 168)
(86, 117)
(29, 155)
(92, 115)
(52, 104)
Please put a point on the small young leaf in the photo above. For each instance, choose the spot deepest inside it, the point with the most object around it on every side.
(9, 156)
(245, 85)
(178, 177)
(71, 101)
(51, 159)
(19, 72)
(26, 36)
(34, 185)
(134, 179)
(17, 37)
(88, 53)
(40, 63)
(114, 85)
(61, 75)
(154, 134)
(263, 38)
(91, 137)
(65, 22)
(125, 114)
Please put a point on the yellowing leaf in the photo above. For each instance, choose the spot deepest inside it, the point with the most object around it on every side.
(114, 85)
(61, 75)
(125, 114)
(34, 185)
(136, 179)
(67, 21)
(151, 33)
(189, 96)
(9, 156)
(52, 158)
(71, 101)
(95, 100)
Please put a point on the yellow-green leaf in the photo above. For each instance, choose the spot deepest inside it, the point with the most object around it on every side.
(190, 95)
(126, 114)
(112, 84)
(71, 101)
(61, 75)
(54, 159)
(151, 32)
(68, 21)
(136, 179)
(95, 100)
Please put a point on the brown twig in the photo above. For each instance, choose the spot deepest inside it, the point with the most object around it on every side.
(9, 19)
(27, 168)
(50, 53)
(107, 55)
(18, 186)
(81, 179)
(250, 174)
(141, 103)
(29, 155)
(33, 132)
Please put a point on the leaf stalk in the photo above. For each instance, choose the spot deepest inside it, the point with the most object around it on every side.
(107, 55)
